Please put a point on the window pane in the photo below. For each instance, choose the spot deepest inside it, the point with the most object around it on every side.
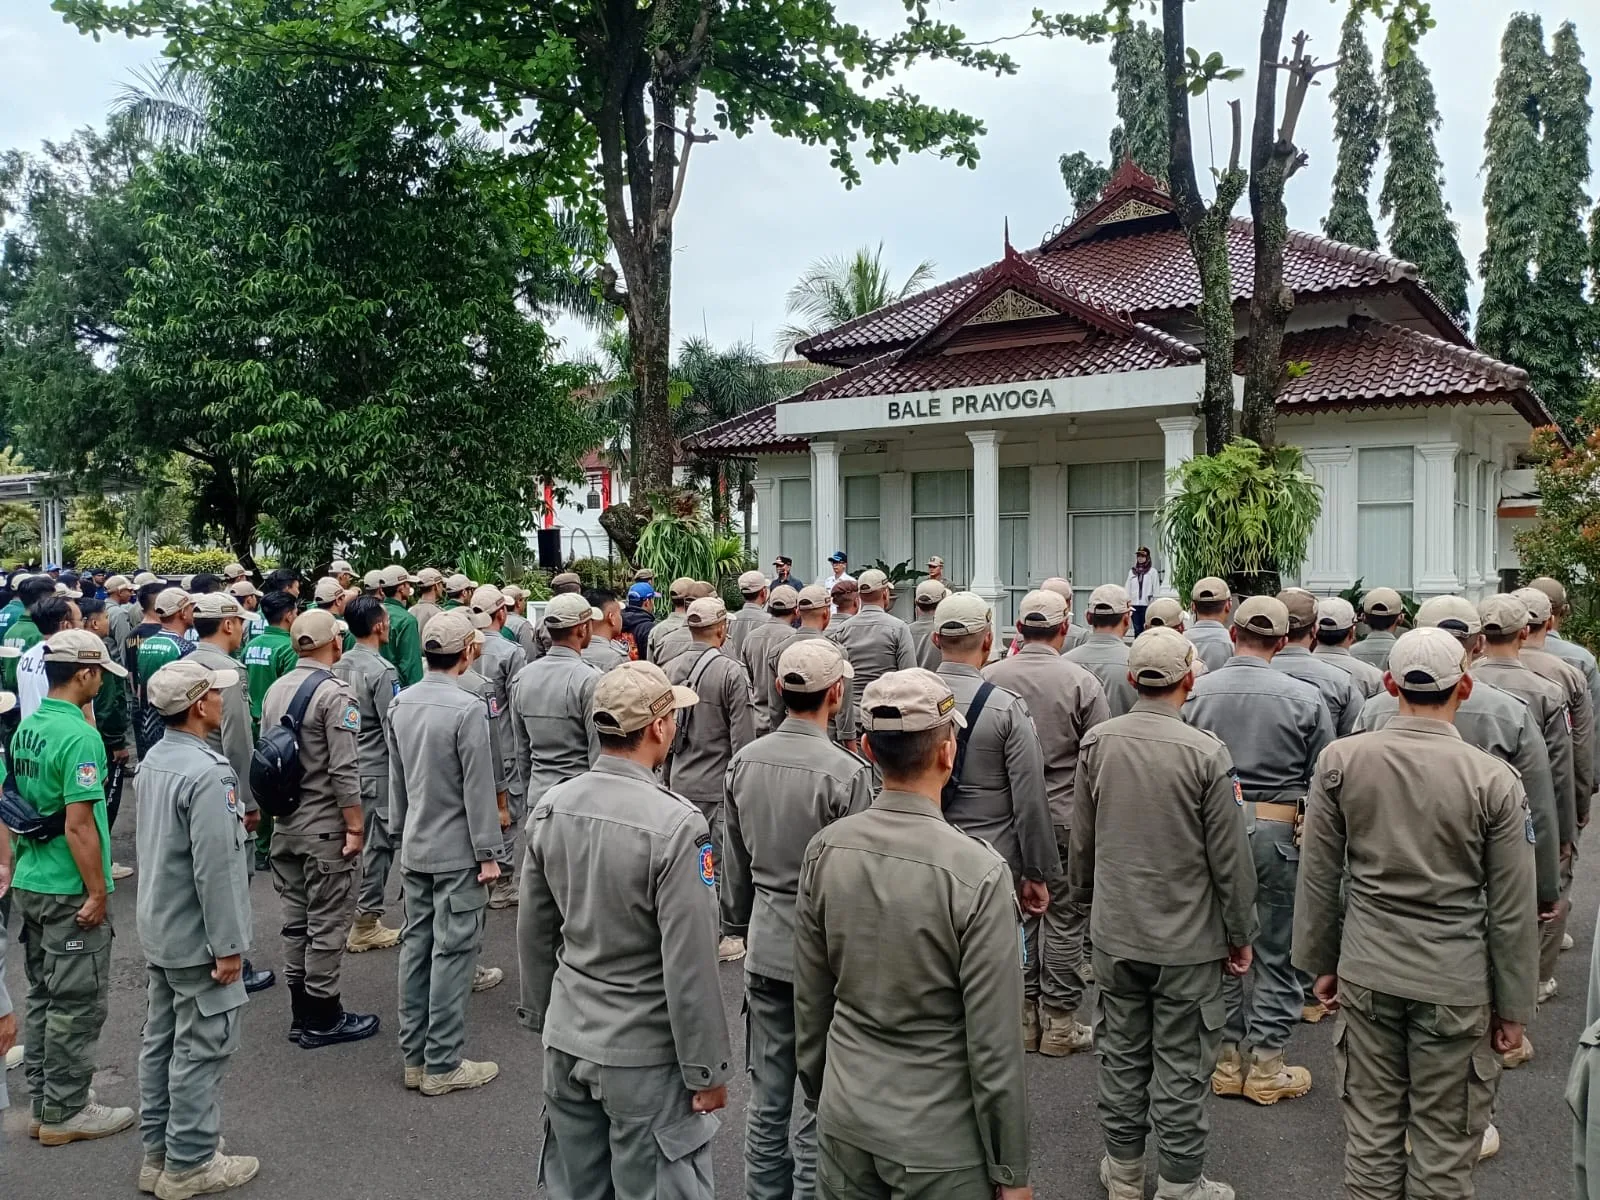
(1383, 545)
(1385, 474)
(861, 496)
(794, 500)
(861, 543)
(1102, 548)
(1093, 486)
(941, 492)
(1014, 490)
(1152, 483)
(1014, 551)
(794, 540)
(951, 539)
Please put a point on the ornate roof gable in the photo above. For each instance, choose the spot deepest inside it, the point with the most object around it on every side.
(1132, 200)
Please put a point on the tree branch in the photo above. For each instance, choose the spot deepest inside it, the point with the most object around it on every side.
(690, 137)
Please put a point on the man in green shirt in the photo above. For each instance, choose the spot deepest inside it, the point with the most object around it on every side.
(60, 888)
(13, 608)
(270, 654)
(331, 595)
(404, 647)
(174, 614)
(23, 634)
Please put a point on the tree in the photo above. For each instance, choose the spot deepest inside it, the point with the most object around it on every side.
(604, 98)
(1565, 540)
(1085, 178)
(1412, 199)
(1141, 129)
(1357, 121)
(840, 288)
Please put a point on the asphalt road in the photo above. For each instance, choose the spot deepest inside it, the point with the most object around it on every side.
(336, 1124)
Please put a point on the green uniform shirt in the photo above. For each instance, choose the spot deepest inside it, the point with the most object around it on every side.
(449, 604)
(155, 652)
(266, 659)
(24, 635)
(404, 647)
(111, 711)
(9, 615)
(59, 760)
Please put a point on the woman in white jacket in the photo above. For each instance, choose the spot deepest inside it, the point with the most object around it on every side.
(1144, 582)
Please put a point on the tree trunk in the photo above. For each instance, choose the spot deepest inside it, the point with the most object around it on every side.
(649, 316)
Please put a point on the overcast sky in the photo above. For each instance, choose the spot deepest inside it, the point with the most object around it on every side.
(759, 210)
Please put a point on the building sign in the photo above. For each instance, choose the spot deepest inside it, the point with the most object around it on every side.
(961, 406)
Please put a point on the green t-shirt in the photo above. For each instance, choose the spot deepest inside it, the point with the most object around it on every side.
(24, 635)
(155, 652)
(269, 656)
(58, 760)
(10, 615)
(449, 604)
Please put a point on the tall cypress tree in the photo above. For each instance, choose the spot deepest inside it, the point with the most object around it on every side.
(1141, 130)
(1567, 319)
(1357, 118)
(1412, 199)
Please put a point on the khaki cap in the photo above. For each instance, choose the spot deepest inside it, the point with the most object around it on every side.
(1164, 613)
(1160, 657)
(909, 701)
(70, 593)
(488, 599)
(81, 647)
(630, 696)
(930, 592)
(456, 584)
(812, 665)
(700, 589)
(752, 583)
(564, 611)
(809, 598)
(1042, 610)
(117, 582)
(241, 588)
(706, 612)
(1109, 600)
(566, 579)
(644, 575)
(144, 577)
(961, 613)
(1540, 610)
(1302, 606)
(313, 628)
(430, 577)
(216, 605)
(935, 561)
(1382, 602)
(1211, 590)
(394, 575)
(678, 589)
(372, 580)
(1456, 614)
(872, 580)
(327, 590)
(1061, 586)
(785, 599)
(1503, 613)
(179, 684)
(1266, 616)
(513, 593)
(1427, 660)
(1553, 588)
(1336, 613)
(172, 601)
(234, 571)
(340, 567)
(451, 633)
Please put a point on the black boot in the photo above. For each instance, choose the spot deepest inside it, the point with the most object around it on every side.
(256, 981)
(327, 1023)
(297, 1011)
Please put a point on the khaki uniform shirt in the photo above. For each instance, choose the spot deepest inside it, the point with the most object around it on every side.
(1580, 721)
(194, 884)
(1580, 657)
(617, 926)
(424, 611)
(235, 738)
(759, 644)
(1105, 656)
(908, 982)
(1066, 701)
(1000, 797)
(928, 655)
(779, 791)
(1374, 648)
(1158, 842)
(1077, 635)
(1212, 641)
(1366, 677)
(120, 628)
(1339, 691)
(844, 719)
(498, 664)
(603, 654)
(660, 645)
(875, 642)
(741, 623)
(712, 731)
(541, 641)
(502, 742)
(1548, 703)
(1498, 723)
(1416, 871)
(375, 683)
(332, 779)
(550, 701)
(442, 805)
(523, 632)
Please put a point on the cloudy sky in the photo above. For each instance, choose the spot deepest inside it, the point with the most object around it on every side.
(760, 209)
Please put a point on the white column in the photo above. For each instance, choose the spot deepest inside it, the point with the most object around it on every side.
(986, 513)
(1472, 566)
(1330, 564)
(827, 528)
(764, 516)
(1433, 515)
(1179, 433)
(1491, 544)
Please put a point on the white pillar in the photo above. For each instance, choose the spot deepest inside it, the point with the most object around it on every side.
(827, 530)
(1179, 434)
(763, 545)
(986, 579)
(1433, 516)
(1330, 564)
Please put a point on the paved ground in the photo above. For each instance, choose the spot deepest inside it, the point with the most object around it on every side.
(336, 1124)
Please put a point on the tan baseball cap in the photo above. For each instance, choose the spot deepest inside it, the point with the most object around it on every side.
(313, 628)
(242, 588)
(1382, 602)
(1503, 613)
(678, 589)
(340, 567)
(699, 589)
(372, 580)
(488, 599)
(566, 579)
(644, 575)
(172, 601)
(1553, 588)
(1427, 660)
(630, 696)
(1454, 614)
(144, 577)
(872, 580)
(327, 590)
(935, 561)
(845, 587)
(118, 582)
(451, 632)
(1335, 613)
(394, 575)
(513, 593)
(179, 684)
(565, 611)
(233, 571)
(1042, 610)
(930, 592)
(216, 605)
(1302, 606)
(808, 599)
(812, 665)
(81, 647)
(1109, 600)
(786, 599)
(752, 583)
(1061, 586)
(1160, 657)
(1211, 590)
(961, 613)
(706, 612)
(1263, 615)
(456, 584)
(1164, 613)
(909, 701)
(1540, 609)
(430, 577)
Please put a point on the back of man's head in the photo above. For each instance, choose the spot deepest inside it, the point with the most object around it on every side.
(279, 608)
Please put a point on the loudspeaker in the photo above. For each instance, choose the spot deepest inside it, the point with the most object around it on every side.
(550, 550)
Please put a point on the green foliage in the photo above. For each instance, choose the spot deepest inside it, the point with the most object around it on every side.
(901, 574)
(1085, 179)
(1245, 514)
(1141, 130)
(1357, 122)
(842, 287)
(675, 546)
(602, 574)
(1564, 541)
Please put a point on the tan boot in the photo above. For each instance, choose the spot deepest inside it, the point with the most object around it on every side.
(413, 1078)
(1030, 1028)
(1228, 1077)
(89, 1123)
(1512, 1059)
(484, 978)
(369, 934)
(1311, 1013)
(1064, 1034)
(222, 1173)
(150, 1168)
(1195, 1189)
(467, 1074)
(1122, 1179)
(730, 949)
(1491, 1143)
(503, 893)
(1271, 1080)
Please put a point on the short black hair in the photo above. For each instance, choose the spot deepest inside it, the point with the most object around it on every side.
(59, 673)
(281, 579)
(148, 594)
(1151, 692)
(1255, 641)
(1210, 608)
(89, 606)
(393, 592)
(1426, 699)
(274, 606)
(364, 614)
(960, 643)
(51, 613)
(899, 753)
(204, 584)
(439, 660)
(36, 589)
(805, 702)
(1381, 624)
(1033, 633)
(598, 598)
(620, 741)
(1502, 639)
(205, 627)
(1105, 620)
(1332, 637)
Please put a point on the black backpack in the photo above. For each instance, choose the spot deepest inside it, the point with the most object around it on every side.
(974, 711)
(275, 769)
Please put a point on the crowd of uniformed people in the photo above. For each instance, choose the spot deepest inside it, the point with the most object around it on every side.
(926, 842)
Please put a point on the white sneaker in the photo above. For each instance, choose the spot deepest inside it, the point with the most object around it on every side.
(467, 1074)
(1547, 990)
(14, 1057)
(1567, 943)
(730, 949)
(90, 1122)
(484, 978)
(1491, 1143)
(221, 1173)
(120, 872)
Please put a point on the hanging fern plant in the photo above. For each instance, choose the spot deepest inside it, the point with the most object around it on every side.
(1245, 514)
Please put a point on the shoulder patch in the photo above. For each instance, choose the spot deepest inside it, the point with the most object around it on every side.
(708, 865)
(88, 774)
(492, 703)
(351, 720)
(1332, 778)
(231, 798)
(394, 684)
(1238, 788)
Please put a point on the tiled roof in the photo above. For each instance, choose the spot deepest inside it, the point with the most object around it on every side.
(749, 433)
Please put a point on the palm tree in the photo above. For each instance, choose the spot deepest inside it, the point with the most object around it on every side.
(838, 289)
(168, 103)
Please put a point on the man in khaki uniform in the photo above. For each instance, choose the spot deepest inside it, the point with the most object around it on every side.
(1103, 652)
(1160, 852)
(1416, 915)
(678, 640)
(316, 850)
(1339, 692)
(1213, 605)
(846, 597)
(679, 593)
(812, 610)
(929, 593)
(874, 640)
(709, 735)
(567, 583)
(1569, 651)
(759, 644)
(498, 661)
(1165, 613)
(1065, 702)
(605, 649)
(1381, 608)
(897, 893)
(753, 587)
(1076, 634)
(518, 628)
(430, 590)
(779, 791)
(1569, 677)
(1336, 634)
(621, 981)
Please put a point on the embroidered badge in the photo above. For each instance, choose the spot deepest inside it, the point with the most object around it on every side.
(351, 719)
(233, 800)
(395, 684)
(1238, 792)
(88, 775)
(72, 945)
(494, 707)
(708, 866)
(1527, 830)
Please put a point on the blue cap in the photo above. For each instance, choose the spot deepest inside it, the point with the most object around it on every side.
(838, 556)
(641, 591)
